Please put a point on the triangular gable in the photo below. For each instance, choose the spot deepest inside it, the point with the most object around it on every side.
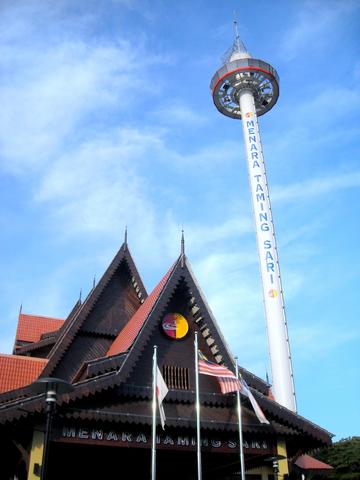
(128, 334)
(88, 333)
(136, 332)
(178, 290)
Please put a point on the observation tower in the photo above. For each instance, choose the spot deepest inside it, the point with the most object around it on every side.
(245, 88)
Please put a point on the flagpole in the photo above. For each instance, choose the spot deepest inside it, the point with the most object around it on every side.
(197, 406)
(241, 450)
(153, 450)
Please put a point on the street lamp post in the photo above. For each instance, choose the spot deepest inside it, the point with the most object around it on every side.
(275, 464)
(52, 387)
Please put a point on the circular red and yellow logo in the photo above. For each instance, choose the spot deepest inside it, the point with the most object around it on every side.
(273, 293)
(175, 325)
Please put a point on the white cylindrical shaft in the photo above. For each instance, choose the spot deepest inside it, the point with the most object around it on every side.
(279, 347)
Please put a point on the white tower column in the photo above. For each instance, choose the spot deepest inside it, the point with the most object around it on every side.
(245, 88)
(282, 374)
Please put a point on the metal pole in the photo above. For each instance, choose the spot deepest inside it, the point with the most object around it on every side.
(50, 409)
(153, 449)
(241, 449)
(276, 469)
(197, 406)
(46, 446)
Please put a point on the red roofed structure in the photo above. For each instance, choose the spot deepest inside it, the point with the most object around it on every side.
(104, 348)
(31, 327)
(17, 371)
(307, 465)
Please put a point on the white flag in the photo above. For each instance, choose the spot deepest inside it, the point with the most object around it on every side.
(161, 392)
(258, 412)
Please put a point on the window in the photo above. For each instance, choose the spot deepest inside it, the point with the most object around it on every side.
(176, 378)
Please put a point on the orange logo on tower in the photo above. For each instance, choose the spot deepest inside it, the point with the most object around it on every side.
(248, 115)
(273, 293)
(175, 326)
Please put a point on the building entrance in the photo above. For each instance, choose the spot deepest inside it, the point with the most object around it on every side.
(93, 462)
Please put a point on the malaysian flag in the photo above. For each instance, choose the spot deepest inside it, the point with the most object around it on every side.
(226, 378)
(229, 383)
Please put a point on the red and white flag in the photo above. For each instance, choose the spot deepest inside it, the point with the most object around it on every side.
(227, 380)
(229, 383)
(161, 392)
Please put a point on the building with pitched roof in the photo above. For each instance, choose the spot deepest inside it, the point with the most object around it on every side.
(102, 428)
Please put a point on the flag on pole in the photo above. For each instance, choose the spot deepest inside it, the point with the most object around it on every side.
(241, 446)
(230, 383)
(197, 408)
(226, 378)
(258, 412)
(161, 392)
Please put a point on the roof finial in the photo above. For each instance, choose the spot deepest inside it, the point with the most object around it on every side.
(125, 239)
(20, 309)
(182, 248)
(94, 281)
(80, 294)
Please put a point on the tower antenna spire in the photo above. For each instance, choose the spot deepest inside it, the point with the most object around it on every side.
(236, 29)
(237, 51)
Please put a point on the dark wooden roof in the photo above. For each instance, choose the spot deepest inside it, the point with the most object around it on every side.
(89, 332)
(117, 387)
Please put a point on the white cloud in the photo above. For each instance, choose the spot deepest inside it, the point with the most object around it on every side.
(315, 24)
(179, 114)
(231, 284)
(53, 87)
(308, 339)
(201, 237)
(308, 189)
(317, 122)
(57, 97)
(327, 106)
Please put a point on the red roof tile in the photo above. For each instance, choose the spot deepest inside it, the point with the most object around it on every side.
(128, 334)
(17, 371)
(31, 327)
(309, 463)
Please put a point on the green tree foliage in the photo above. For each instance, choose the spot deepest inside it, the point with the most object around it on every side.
(344, 456)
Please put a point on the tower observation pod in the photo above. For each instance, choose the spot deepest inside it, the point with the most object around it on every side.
(245, 88)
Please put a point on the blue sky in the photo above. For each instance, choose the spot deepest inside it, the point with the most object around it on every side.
(107, 120)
